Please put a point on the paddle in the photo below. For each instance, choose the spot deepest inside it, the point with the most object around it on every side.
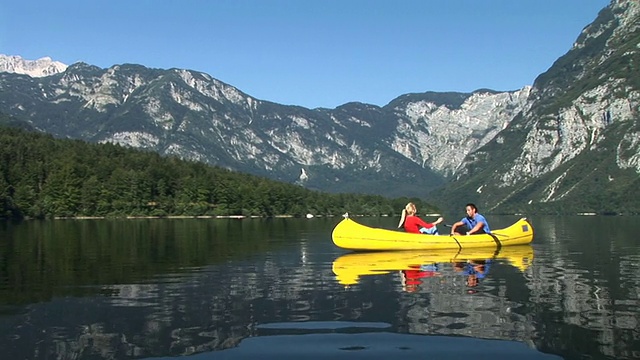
(496, 234)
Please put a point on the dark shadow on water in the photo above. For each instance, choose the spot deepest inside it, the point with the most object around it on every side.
(376, 345)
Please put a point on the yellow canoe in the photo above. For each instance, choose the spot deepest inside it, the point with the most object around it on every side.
(350, 235)
(350, 267)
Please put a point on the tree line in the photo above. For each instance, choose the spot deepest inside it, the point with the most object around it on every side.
(45, 177)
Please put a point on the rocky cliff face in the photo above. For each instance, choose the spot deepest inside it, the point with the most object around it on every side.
(440, 136)
(584, 92)
(581, 117)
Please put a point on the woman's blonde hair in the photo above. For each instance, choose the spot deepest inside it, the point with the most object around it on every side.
(409, 209)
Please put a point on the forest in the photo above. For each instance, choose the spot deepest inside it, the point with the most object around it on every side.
(44, 177)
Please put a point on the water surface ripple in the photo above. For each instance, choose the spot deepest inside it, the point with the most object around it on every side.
(279, 288)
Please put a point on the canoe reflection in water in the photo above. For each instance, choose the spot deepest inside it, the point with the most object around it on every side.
(415, 267)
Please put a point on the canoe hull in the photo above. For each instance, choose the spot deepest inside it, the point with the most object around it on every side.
(351, 235)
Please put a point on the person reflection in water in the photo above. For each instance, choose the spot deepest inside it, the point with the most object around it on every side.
(411, 278)
(474, 270)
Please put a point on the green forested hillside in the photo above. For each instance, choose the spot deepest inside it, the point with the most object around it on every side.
(43, 177)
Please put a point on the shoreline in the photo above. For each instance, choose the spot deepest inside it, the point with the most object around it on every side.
(181, 217)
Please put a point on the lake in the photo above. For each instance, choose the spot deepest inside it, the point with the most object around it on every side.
(280, 289)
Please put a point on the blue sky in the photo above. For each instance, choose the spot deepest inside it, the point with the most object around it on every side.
(312, 53)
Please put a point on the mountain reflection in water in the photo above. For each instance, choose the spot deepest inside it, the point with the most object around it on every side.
(130, 289)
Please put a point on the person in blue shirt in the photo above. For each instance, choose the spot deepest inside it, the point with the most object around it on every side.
(473, 223)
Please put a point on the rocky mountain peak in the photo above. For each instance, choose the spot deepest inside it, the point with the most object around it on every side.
(44, 66)
(578, 120)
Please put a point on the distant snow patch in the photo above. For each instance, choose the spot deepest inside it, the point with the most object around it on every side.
(133, 139)
(303, 175)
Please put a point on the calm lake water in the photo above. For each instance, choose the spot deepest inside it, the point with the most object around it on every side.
(280, 289)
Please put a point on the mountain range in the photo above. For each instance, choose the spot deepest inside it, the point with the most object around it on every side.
(570, 142)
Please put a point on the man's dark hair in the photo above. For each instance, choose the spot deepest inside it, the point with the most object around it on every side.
(473, 206)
